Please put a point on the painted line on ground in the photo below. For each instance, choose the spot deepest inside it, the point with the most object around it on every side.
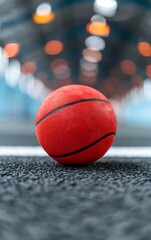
(113, 151)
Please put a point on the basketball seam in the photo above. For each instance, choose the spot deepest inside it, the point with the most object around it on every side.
(84, 148)
(70, 104)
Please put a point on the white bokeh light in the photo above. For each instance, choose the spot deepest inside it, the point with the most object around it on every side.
(95, 43)
(43, 9)
(147, 89)
(12, 73)
(98, 18)
(105, 7)
(3, 62)
(88, 66)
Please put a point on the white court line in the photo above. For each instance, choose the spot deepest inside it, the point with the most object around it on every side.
(113, 151)
(22, 151)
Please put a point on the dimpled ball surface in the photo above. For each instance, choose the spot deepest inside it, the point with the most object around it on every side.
(75, 124)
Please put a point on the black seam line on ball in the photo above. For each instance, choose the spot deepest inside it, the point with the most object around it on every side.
(84, 148)
(70, 104)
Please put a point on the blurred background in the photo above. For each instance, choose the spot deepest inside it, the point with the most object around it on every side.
(105, 44)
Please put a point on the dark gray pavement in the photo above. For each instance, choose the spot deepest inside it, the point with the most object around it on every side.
(42, 200)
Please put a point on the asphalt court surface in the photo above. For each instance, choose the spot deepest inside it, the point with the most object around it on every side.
(43, 200)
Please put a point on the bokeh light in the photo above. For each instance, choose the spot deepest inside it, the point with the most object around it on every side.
(128, 67)
(43, 14)
(92, 55)
(11, 49)
(38, 19)
(148, 71)
(95, 43)
(30, 85)
(62, 73)
(58, 62)
(98, 28)
(3, 62)
(60, 68)
(105, 7)
(98, 18)
(38, 89)
(88, 66)
(144, 49)
(23, 83)
(53, 47)
(89, 73)
(43, 9)
(28, 67)
(12, 73)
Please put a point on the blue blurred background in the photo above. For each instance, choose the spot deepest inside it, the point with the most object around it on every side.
(105, 44)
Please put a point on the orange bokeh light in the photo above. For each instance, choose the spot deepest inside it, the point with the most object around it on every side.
(128, 67)
(57, 62)
(144, 49)
(29, 67)
(43, 19)
(148, 71)
(11, 49)
(92, 55)
(53, 47)
(98, 28)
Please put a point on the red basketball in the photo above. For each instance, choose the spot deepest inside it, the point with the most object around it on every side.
(76, 124)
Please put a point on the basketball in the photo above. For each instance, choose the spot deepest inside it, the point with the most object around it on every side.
(75, 125)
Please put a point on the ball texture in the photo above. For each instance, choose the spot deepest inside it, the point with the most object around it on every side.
(75, 124)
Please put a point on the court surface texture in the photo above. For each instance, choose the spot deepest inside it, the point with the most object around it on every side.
(43, 200)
